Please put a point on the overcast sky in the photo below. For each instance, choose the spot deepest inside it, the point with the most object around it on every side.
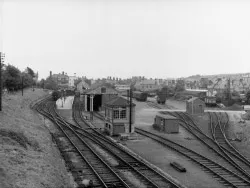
(158, 38)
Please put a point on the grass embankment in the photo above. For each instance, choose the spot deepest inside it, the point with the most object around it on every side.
(29, 159)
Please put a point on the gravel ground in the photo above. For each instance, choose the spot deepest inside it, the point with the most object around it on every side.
(29, 158)
(241, 131)
(161, 156)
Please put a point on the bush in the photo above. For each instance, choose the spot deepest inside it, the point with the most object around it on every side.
(56, 95)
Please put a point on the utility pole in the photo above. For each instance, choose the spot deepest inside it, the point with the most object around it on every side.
(22, 85)
(1, 88)
(130, 111)
(0, 81)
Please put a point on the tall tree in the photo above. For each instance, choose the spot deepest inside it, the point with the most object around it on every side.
(30, 72)
(180, 85)
(50, 84)
(248, 96)
(13, 77)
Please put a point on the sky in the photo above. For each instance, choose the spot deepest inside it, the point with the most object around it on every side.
(125, 38)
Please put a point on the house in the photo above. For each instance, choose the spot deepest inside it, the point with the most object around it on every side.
(122, 88)
(117, 119)
(167, 123)
(61, 79)
(72, 81)
(195, 106)
(82, 86)
(147, 85)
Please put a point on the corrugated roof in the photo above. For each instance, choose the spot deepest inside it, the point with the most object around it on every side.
(118, 102)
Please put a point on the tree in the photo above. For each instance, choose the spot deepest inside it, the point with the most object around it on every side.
(180, 85)
(248, 96)
(30, 72)
(12, 78)
(50, 84)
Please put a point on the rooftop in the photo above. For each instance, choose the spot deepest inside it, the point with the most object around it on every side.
(118, 102)
(193, 99)
(166, 116)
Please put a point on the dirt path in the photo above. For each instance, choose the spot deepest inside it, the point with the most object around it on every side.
(29, 158)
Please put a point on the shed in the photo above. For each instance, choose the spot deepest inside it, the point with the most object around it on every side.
(95, 98)
(167, 123)
(195, 106)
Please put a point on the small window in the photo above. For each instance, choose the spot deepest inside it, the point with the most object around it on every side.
(116, 114)
(123, 113)
(162, 122)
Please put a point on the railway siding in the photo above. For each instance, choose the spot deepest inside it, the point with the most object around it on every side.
(133, 164)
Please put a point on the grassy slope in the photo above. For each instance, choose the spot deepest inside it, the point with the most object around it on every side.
(27, 154)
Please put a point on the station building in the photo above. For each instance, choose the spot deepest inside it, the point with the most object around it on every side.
(195, 106)
(167, 123)
(117, 116)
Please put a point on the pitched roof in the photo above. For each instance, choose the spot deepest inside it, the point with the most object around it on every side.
(84, 84)
(194, 99)
(118, 102)
(98, 91)
(165, 116)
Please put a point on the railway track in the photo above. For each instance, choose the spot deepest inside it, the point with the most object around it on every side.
(85, 145)
(218, 128)
(212, 144)
(140, 170)
(219, 172)
(190, 126)
(89, 164)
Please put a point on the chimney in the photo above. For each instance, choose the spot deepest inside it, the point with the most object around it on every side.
(62, 72)
(50, 73)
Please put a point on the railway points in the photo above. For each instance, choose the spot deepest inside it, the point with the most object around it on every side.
(139, 170)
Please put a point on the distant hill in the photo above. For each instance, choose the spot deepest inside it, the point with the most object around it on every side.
(232, 76)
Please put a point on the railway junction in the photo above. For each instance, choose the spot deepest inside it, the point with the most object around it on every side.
(221, 166)
(202, 152)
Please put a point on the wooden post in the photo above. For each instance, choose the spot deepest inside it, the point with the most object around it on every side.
(130, 111)
(0, 81)
(22, 85)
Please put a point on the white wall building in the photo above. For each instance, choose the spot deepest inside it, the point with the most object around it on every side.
(72, 81)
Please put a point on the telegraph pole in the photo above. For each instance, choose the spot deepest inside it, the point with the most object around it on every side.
(1, 88)
(0, 81)
(130, 110)
(22, 85)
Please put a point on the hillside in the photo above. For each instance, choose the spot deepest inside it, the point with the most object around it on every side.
(29, 159)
